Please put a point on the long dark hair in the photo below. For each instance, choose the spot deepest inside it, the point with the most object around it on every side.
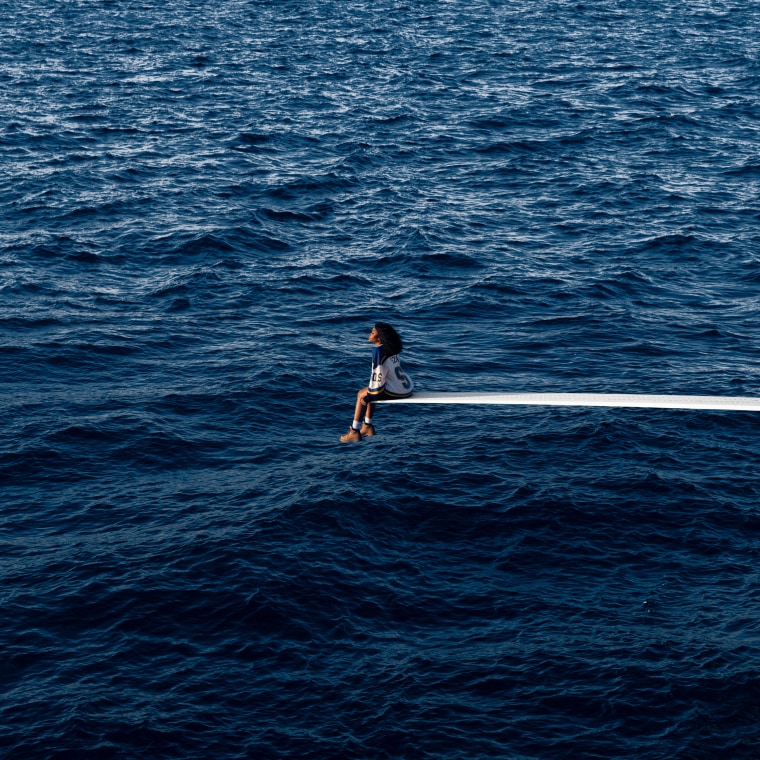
(390, 339)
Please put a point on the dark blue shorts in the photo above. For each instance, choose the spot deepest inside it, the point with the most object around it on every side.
(382, 396)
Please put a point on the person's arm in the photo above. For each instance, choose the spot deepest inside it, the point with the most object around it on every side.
(377, 381)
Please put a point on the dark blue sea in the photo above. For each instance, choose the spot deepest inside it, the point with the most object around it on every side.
(204, 208)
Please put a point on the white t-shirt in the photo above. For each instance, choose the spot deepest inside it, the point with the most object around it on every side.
(388, 376)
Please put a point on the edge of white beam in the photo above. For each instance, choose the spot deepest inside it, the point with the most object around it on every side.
(630, 400)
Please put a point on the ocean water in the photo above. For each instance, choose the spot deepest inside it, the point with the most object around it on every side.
(204, 207)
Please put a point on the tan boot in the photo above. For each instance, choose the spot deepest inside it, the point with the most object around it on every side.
(352, 436)
(368, 430)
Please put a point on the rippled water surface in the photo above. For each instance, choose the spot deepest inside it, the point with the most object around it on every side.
(203, 209)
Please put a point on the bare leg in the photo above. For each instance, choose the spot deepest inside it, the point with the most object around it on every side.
(354, 432)
(367, 407)
(362, 424)
(361, 405)
(367, 429)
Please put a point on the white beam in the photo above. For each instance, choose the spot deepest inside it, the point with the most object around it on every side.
(630, 400)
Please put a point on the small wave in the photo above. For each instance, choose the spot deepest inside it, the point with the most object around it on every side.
(252, 142)
(743, 171)
(179, 304)
(394, 119)
(452, 260)
(191, 282)
(180, 247)
(753, 275)
(85, 257)
(501, 287)
(316, 283)
(284, 215)
(647, 348)
(667, 242)
(314, 185)
(515, 147)
(626, 283)
(203, 243)
(490, 122)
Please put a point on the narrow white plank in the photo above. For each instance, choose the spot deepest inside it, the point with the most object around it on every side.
(630, 400)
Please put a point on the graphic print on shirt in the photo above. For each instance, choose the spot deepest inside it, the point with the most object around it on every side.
(388, 376)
